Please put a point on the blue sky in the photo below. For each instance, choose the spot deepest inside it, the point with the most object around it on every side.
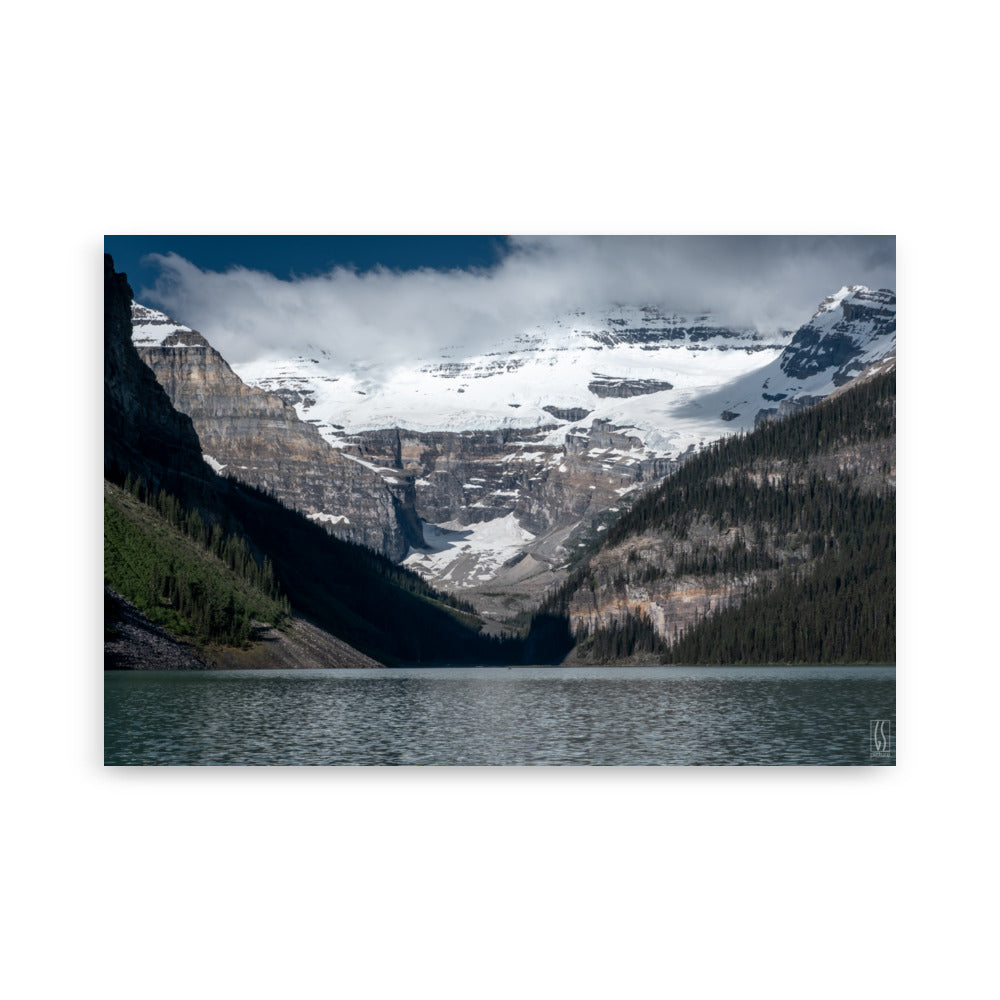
(288, 257)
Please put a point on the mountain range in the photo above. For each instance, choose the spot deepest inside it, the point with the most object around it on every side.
(226, 573)
(485, 473)
(599, 487)
(675, 381)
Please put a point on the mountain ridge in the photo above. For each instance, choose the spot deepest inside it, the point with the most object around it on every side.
(347, 591)
(775, 546)
(258, 438)
(512, 458)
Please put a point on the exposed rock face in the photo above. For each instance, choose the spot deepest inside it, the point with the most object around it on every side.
(852, 334)
(133, 642)
(143, 434)
(516, 455)
(258, 438)
(677, 578)
(843, 335)
(509, 505)
(573, 413)
(609, 387)
(499, 474)
(654, 329)
(626, 364)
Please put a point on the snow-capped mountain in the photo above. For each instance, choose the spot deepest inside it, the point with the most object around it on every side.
(257, 437)
(851, 331)
(628, 366)
(676, 382)
(152, 328)
(509, 456)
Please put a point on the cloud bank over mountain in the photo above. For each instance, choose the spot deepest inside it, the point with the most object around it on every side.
(382, 317)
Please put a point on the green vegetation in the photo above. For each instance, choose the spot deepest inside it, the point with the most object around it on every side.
(795, 523)
(842, 609)
(282, 562)
(764, 479)
(202, 555)
(634, 635)
(384, 610)
(187, 576)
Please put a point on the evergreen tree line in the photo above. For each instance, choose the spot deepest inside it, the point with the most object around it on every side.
(772, 523)
(813, 504)
(719, 481)
(400, 576)
(229, 548)
(841, 608)
(630, 634)
(838, 608)
(380, 608)
(177, 580)
(738, 559)
(834, 600)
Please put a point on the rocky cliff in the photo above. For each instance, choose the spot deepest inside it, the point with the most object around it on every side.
(516, 454)
(851, 330)
(143, 434)
(346, 591)
(487, 473)
(258, 438)
(504, 509)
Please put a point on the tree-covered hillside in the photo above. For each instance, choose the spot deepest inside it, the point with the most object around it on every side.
(205, 572)
(185, 575)
(773, 547)
(204, 555)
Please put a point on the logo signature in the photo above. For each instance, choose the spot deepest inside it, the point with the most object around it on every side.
(880, 737)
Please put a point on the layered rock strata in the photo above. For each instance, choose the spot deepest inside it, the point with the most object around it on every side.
(851, 330)
(505, 499)
(256, 437)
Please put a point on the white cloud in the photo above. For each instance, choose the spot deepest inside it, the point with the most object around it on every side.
(381, 316)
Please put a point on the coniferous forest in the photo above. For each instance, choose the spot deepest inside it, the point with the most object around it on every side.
(205, 556)
(207, 572)
(185, 574)
(794, 525)
(775, 546)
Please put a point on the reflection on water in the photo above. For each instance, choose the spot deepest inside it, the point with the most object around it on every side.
(530, 715)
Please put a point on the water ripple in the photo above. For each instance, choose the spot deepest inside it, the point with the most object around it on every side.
(531, 716)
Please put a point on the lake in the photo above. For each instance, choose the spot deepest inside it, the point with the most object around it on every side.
(503, 716)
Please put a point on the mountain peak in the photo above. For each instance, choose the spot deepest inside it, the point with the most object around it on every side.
(852, 329)
(833, 302)
(150, 327)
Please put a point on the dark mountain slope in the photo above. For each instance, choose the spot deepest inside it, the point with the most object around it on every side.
(776, 546)
(144, 436)
(194, 580)
(365, 600)
(258, 438)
